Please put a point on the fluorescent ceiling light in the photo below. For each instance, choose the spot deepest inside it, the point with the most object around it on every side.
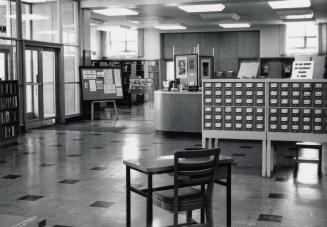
(27, 17)
(109, 28)
(235, 25)
(170, 27)
(47, 32)
(290, 4)
(134, 21)
(111, 12)
(297, 17)
(202, 8)
(35, 1)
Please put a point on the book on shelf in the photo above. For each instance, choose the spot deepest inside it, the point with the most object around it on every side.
(9, 111)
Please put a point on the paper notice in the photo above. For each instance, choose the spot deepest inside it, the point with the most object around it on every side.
(92, 85)
(89, 74)
(109, 89)
(108, 79)
(119, 91)
(117, 77)
(99, 84)
(100, 74)
(86, 85)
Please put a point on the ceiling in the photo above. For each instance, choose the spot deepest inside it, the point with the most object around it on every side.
(152, 12)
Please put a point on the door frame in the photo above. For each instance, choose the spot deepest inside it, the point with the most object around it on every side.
(60, 89)
(8, 51)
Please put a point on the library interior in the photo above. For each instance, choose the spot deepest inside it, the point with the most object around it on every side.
(204, 113)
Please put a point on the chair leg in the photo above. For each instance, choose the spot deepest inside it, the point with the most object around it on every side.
(202, 215)
(189, 216)
(209, 215)
(175, 218)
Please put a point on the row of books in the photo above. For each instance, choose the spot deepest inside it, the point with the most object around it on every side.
(8, 88)
(8, 102)
(8, 116)
(8, 132)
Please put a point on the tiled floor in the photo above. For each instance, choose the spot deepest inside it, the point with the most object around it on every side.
(72, 175)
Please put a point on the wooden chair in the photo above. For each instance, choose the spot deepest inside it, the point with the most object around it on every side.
(192, 169)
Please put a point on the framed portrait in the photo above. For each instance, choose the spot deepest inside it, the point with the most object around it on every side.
(206, 67)
(181, 67)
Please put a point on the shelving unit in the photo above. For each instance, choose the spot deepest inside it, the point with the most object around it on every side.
(9, 112)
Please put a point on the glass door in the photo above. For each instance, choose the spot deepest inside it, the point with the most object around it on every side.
(40, 85)
(4, 64)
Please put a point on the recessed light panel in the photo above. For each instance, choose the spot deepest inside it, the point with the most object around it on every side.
(202, 8)
(290, 4)
(27, 17)
(235, 25)
(298, 17)
(111, 12)
(170, 27)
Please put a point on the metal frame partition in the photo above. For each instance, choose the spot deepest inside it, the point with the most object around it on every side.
(59, 85)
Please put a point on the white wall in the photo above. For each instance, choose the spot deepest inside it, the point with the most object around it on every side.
(96, 44)
(151, 44)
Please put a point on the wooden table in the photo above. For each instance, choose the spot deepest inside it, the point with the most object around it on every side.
(165, 164)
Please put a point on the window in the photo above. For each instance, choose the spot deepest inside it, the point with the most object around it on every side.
(170, 72)
(7, 18)
(40, 21)
(301, 38)
(122, 42)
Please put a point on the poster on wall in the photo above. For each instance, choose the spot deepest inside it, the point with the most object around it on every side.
(181, 67)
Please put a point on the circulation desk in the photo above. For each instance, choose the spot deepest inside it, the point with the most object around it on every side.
(177, 111)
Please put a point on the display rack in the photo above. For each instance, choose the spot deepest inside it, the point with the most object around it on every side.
(132, 69)
(284, 110)
(9, 112)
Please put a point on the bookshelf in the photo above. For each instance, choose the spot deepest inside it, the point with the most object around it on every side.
(9, 111)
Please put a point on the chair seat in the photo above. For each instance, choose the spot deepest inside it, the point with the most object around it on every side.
(186, 196)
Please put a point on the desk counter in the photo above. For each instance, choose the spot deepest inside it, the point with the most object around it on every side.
(178, 111)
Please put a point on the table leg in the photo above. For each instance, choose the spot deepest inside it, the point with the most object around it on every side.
(268, 173)
(92, 111)
(116, 111)
(149, 206)
(202, 209)
(128, 196)
(264, 158)
(229, 196)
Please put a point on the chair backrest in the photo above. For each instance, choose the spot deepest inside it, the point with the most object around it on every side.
(195, 167)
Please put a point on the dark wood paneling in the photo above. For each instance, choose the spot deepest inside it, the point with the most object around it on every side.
(229, 46)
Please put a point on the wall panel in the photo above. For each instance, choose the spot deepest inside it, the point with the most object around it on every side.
(229, 46)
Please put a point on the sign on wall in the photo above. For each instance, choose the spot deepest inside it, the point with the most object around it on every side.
(302, 70)
(3, 29)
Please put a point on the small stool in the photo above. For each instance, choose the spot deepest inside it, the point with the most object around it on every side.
(308, 145)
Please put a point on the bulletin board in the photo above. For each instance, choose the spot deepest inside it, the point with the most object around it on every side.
(101, 83)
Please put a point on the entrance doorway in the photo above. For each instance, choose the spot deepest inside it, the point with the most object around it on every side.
(41, 75)
(5, 62)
